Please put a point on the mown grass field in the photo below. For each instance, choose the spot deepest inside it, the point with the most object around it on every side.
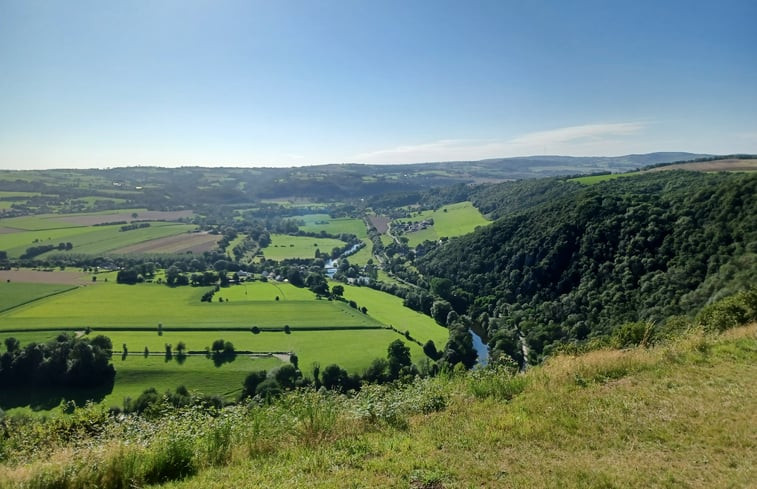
(13, 294)
(388, 309)
(449, 221)
(284, 247)
(147, 305)
(315, 223)
(260, 291)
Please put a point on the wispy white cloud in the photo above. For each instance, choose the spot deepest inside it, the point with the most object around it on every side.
(572, 134)
(588, 139)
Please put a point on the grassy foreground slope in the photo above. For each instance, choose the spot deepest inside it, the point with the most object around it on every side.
(677, 415)
(671, 417)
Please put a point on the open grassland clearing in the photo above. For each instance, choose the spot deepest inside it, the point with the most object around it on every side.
(147, 305)
(388, 309)
(315, 223)
(449, 221)
(182, 243)
(284, 246)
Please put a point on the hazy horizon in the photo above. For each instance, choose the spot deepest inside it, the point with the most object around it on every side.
(295, 83)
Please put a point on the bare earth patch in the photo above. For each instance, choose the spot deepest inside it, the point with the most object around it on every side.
(181, 243)
(91, 220)
(9, 230)
(41, 277)
(381, 223)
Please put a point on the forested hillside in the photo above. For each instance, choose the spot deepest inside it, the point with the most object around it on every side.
(585, 260)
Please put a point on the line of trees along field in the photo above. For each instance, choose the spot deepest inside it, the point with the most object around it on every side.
(588, 259)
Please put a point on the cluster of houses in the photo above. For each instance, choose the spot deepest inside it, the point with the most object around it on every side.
(412, 227)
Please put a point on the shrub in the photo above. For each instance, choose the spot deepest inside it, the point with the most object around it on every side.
(634, 334)
(729, 312)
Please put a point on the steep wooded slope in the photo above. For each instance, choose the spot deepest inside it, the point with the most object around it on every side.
(579, 265)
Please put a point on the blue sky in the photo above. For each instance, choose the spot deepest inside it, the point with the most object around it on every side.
(289, 83)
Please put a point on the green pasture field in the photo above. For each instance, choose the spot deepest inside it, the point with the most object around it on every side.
(459, 219)
(284, 247)
(6, 204)
(90, 239)
(593, 179)
(15, 294)
(146, 305)
(265, 291)
(351, 349)
(315, 223)
(388, 309)
(136, 373)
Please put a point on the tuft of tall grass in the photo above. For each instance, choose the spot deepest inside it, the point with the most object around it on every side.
(214, 447)
(497, 382)
(171, 458)
(316, 415)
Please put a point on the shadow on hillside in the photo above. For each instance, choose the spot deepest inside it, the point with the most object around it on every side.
(43, 399)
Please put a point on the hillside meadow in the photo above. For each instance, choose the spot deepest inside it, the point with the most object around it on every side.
(449, 221)
(681, 414)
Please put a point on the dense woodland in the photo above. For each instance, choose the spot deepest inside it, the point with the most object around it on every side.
(588, 259)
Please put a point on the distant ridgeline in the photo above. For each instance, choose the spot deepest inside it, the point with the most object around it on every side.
(166, 188)
(566, 263)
